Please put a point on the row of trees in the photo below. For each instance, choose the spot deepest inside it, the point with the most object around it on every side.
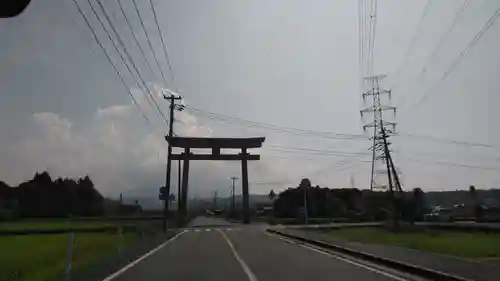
(43, 197)
(323, 202)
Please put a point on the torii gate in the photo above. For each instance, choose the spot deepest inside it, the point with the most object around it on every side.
(216, 144)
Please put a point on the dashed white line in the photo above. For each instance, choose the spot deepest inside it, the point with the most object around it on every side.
(243, 264)
(208, 230)
(340, 258)
(197, 230)
(141, 258)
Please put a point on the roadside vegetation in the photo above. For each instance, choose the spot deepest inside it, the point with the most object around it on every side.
(47, 254)
(477, 245)
(49, 224)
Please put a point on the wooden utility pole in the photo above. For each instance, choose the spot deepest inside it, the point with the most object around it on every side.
(172, 98)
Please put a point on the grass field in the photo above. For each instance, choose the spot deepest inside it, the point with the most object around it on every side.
(42, 257)
(463, 244)
(52, 224)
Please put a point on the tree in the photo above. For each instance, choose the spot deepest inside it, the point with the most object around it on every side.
(322, 202)
(417, 204)
(475, 202)
(272, 195)
(42, 197)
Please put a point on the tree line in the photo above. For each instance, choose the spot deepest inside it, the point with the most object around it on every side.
(44, 197)
(363, 205)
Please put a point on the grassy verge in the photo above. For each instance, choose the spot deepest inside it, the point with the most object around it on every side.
(462, 244)
(42, 257)
(33, 225)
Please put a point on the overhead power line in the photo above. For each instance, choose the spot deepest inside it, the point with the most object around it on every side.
(149, 42)
(143, 83)
(282, 129)
(460, 57)
(460, 165)
(447, 141)
(341, 165)
(304, 149)
(371, 43)
(135, 38)
(111, 62)
(169, 64)
(431, 58)
(413, 40)
(361, 39)
(443, 38)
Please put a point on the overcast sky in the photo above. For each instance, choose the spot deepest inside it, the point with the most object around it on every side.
(291, 63)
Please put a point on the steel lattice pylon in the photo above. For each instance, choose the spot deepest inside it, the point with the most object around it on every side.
(383, 172)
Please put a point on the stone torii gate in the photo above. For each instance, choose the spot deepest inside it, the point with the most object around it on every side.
(215, 144)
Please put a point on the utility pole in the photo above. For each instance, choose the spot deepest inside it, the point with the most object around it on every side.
(179, 184)
(172, 98)
(215, 201)
(305, 206)
(233, 202)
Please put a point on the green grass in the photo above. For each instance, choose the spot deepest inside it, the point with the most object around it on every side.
(42, 257)
(462, 244)
(52, 224)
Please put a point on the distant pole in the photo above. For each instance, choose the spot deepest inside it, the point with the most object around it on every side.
(305, 205)
(233, 202)
(179, 183)
(215, 201)
(172, 99)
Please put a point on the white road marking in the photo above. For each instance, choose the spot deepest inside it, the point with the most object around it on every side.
(207, 230)
(141, 258)
(340, 258)
(229, 229)
(197, 230)
(243, 264)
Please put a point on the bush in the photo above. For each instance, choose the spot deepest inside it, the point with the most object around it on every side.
(6, 215)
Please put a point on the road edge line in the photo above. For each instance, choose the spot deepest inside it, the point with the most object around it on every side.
(141, 258)
(409, 268)
(372, 268)
(251, 276)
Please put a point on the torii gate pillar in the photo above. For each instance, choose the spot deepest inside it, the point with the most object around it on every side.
(216, 144)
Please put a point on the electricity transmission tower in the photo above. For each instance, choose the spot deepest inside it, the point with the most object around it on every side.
(384, 175)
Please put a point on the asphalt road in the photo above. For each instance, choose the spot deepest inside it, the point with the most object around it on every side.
(242, 253)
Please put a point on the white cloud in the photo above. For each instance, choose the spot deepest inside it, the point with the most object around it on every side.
(119, 153)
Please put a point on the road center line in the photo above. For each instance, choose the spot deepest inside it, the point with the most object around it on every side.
(243, 264)
(395, 277)
(141, 258)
